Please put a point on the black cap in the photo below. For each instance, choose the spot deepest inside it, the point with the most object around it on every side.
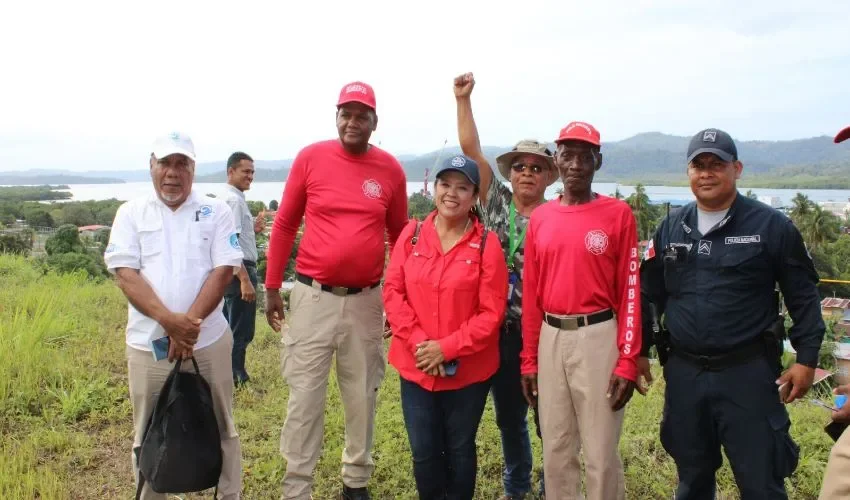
(715, 141)
(462, 164)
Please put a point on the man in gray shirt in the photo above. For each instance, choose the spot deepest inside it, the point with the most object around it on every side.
(240, 306)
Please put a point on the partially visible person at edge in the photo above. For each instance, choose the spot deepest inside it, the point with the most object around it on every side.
(445, 294)
(530, 168)
(240, 306)
(581, 322)
(354, 197)
(836, 479)
(711, 270)
(173, 253)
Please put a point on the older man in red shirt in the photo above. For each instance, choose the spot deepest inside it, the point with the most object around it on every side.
(353, 194)
(581, 322)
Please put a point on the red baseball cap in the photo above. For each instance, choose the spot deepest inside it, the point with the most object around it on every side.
(843, 135)
(579, 131)
(357, 92)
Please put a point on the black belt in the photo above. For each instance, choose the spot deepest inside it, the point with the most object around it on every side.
(249, 263)
(576, 322)
(717, 362)
(336, 290)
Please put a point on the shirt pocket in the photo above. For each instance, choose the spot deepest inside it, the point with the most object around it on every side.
(417, 267)
(466, 272)
(150, 239)
(744, 266)
(201, 237)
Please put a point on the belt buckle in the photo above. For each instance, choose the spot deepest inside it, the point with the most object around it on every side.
(339, 291)
(570, 323)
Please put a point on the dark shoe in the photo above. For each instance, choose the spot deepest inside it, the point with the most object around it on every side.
(354, 493)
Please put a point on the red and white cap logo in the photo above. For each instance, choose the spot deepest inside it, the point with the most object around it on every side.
(357, 92)
(579, 131)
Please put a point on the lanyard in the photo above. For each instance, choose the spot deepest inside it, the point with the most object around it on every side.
(514, 241)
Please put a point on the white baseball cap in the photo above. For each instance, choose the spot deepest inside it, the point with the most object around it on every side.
(174, 143)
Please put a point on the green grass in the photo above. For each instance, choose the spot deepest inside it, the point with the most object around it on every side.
(66, 420)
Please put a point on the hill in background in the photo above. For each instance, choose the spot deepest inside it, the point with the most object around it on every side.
(650, 158)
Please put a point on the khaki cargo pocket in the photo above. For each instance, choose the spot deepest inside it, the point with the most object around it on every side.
(786, 453)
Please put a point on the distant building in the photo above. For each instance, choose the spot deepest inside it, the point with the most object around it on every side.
(834, 307)
(90, 230)
(771, 201)
(843, 325)
(839, 208)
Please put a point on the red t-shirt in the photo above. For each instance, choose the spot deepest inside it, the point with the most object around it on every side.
(581, 259)
(350, 201)
(457, 298)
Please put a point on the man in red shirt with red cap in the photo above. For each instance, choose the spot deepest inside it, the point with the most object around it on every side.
(352, 194)
(581, 324)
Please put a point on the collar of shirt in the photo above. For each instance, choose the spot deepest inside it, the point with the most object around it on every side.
(235, 190)
(689, 217)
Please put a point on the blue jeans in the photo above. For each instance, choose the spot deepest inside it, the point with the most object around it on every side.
(241, 316)
(441, 427)
(511, 414)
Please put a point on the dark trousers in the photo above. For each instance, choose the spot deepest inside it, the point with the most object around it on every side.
(241, 316)
(511, 413)
(737, 408)
(441, 427)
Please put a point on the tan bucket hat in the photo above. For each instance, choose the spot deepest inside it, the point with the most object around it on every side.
(527, 147)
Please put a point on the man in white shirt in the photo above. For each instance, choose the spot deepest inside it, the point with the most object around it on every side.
(173, 254)
(240, 306)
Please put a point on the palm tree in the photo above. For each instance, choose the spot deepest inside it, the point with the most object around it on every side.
(801, 208)
(617, 194)
(820, 226)
(644, 212)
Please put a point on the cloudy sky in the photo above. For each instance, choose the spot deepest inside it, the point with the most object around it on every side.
(88, 85)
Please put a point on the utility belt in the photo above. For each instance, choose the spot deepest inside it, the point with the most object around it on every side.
(577, 321)
(768, 344)
(339, 291)
(717, 362)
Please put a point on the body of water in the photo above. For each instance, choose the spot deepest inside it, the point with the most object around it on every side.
(267, 191)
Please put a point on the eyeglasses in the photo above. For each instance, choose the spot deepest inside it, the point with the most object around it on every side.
(520, 168)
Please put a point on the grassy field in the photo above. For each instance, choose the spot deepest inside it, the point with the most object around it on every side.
(66, 425)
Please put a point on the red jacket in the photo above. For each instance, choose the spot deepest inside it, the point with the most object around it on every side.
(458, 299)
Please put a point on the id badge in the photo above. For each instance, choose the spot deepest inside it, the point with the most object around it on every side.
(512, 279)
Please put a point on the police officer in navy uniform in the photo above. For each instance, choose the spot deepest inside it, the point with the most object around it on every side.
(710, 272)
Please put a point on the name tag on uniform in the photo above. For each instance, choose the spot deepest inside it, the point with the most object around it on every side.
(737, 240)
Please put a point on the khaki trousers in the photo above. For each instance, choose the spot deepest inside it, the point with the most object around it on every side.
(574, 369)
(322, 324)
(146, 379)
(836, 479)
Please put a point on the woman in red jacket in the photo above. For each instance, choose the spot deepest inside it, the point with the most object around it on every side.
(445, 294)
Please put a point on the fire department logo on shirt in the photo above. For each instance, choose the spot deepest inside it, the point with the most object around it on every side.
(372, 189)
(596, 241)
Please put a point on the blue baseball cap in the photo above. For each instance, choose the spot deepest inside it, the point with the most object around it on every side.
(462, 164)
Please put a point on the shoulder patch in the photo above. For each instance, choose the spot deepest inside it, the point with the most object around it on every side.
(234, 241)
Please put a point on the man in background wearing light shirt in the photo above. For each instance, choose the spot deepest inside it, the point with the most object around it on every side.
(240, 306)
(173, 254)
